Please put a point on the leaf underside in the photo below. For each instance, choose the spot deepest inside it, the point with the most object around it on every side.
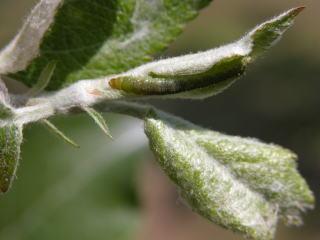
(95, 38)
(239, 183)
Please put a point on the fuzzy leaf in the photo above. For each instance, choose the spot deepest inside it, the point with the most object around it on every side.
(10, 141)
(239, 183)
(59, 133)
(98, 119)
(268, 33)
(26, 45)
(207, 73)
(95, 38)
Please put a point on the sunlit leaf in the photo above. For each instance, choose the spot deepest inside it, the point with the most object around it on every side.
(239, 183)
(17, 55)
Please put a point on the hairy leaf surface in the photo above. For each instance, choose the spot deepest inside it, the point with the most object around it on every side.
(239, 183)
(10, 141)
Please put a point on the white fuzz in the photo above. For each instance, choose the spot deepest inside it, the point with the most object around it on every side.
(26, 45)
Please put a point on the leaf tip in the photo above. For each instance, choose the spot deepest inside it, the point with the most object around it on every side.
(268, 33)
(296, 11)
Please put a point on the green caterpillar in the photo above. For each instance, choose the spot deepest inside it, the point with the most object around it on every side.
(161, 84)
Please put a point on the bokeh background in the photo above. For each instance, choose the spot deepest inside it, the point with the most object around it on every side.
(115, 190)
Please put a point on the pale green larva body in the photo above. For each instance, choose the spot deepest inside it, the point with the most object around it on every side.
(157, 83)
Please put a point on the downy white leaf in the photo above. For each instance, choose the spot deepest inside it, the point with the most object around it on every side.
(17, 55)
(239, 183)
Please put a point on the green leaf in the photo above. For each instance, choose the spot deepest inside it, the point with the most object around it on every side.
(206, 73)
(25, 47)
(10, 141)
(98, 119)
(239, 183)
(59, 133)
(95, 38)
(265, 35)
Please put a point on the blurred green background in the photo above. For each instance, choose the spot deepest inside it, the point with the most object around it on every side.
(115, 190)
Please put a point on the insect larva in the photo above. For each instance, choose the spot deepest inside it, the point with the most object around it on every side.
(162, 84)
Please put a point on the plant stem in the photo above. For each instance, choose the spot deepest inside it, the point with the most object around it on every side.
(86, 93)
